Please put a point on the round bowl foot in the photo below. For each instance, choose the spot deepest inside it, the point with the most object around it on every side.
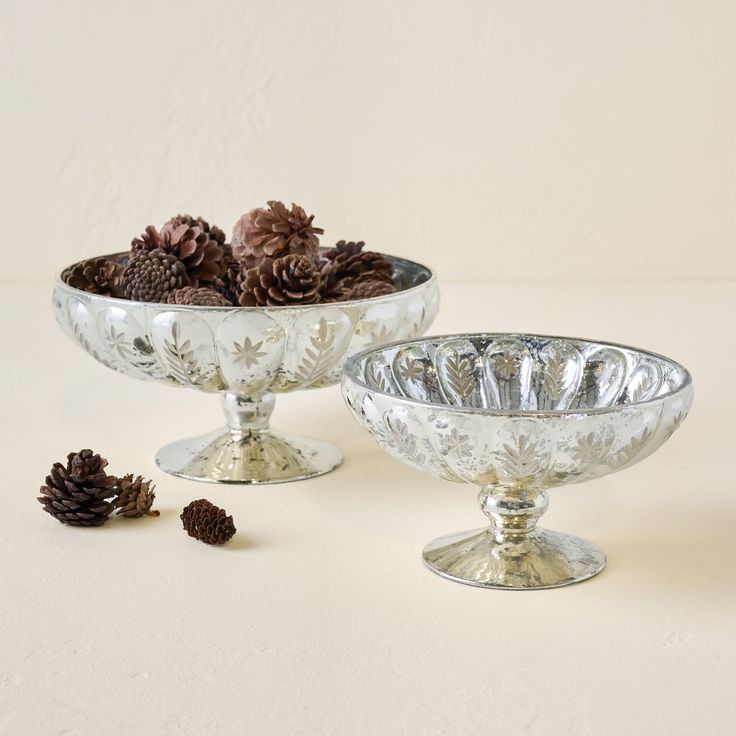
(544, 560)
(224, 456)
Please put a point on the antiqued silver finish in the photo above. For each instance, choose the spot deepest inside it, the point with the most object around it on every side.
(516, 415)
(247, 354)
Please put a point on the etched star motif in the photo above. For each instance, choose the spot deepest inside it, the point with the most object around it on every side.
(506, 364)
(248, 353)
(411, 369)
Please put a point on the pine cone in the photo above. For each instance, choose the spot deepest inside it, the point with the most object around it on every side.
(76, 494)
(98, 276)
(135, 497)
(348, 263)
(369, 288)
(212, 230)
(206, 522)
(151, 275)
(229, 283)
(289, 280)
(275, 231)
(202, 297)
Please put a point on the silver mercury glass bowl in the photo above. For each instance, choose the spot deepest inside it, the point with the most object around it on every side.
(516, 415)
(247, 355)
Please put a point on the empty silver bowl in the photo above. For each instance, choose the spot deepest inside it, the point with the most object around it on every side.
(516, 415)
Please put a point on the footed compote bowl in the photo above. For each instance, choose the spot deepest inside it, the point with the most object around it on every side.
(247, 355)
(516, 415)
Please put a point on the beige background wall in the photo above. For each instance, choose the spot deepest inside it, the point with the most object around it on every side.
(543, 140)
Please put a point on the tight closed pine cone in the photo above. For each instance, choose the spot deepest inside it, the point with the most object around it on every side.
(76, 494)
(289, 280)
(151, 275)
(347, 263)
(369, 288)
(135, 497)
(98, 276)
(201, 297)
(207, 523)
(275, 231)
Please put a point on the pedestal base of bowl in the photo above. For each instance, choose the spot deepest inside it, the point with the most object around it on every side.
(543, 560)
(225, 456)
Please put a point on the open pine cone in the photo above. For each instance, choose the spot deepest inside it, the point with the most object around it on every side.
(151, 275)
(346, 264)
(201, 297)
(199, 249)
(76, 494)
(98, 276)
(275, 231)
(135, 497)
(289, 280)
(207, 523)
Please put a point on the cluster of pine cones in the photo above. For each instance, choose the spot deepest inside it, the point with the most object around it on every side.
(273, 260)
(82, 493)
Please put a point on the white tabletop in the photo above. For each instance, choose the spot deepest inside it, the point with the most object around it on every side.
(319, 617)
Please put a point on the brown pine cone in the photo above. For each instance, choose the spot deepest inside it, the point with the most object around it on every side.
(98, 276)
(229, 283)
(369, 288)
(201, 297)
(275, 231)
(289, 280)
(192, 241)
(348, 263)
(76, 494)
(214, 232)
(135, 497)
(207, 523)
(151, 275)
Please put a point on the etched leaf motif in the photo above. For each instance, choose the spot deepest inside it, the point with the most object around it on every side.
(248, 353)
(554, 376)
(521, 460)
(376, 378)
(180, 357)
(631, 450)
(418, 327)
(460, 375)
(676, 422)
(404, 441)
(319, 357)
(380, 336)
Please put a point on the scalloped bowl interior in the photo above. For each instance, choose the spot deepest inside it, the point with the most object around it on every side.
(520, 373)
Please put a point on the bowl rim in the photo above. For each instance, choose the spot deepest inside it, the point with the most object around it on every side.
(349, 372)
(118, 301)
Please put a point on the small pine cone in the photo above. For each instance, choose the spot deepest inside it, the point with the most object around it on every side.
(348, 263)
(207, 523)
(76, 494)
(290, 280)
(151, 275)
(98, 276)
(369, 288)
(275, 231)
(202, 297)
(135, 497)
(229, 283)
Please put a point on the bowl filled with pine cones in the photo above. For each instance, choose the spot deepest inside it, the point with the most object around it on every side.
(269, 312)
